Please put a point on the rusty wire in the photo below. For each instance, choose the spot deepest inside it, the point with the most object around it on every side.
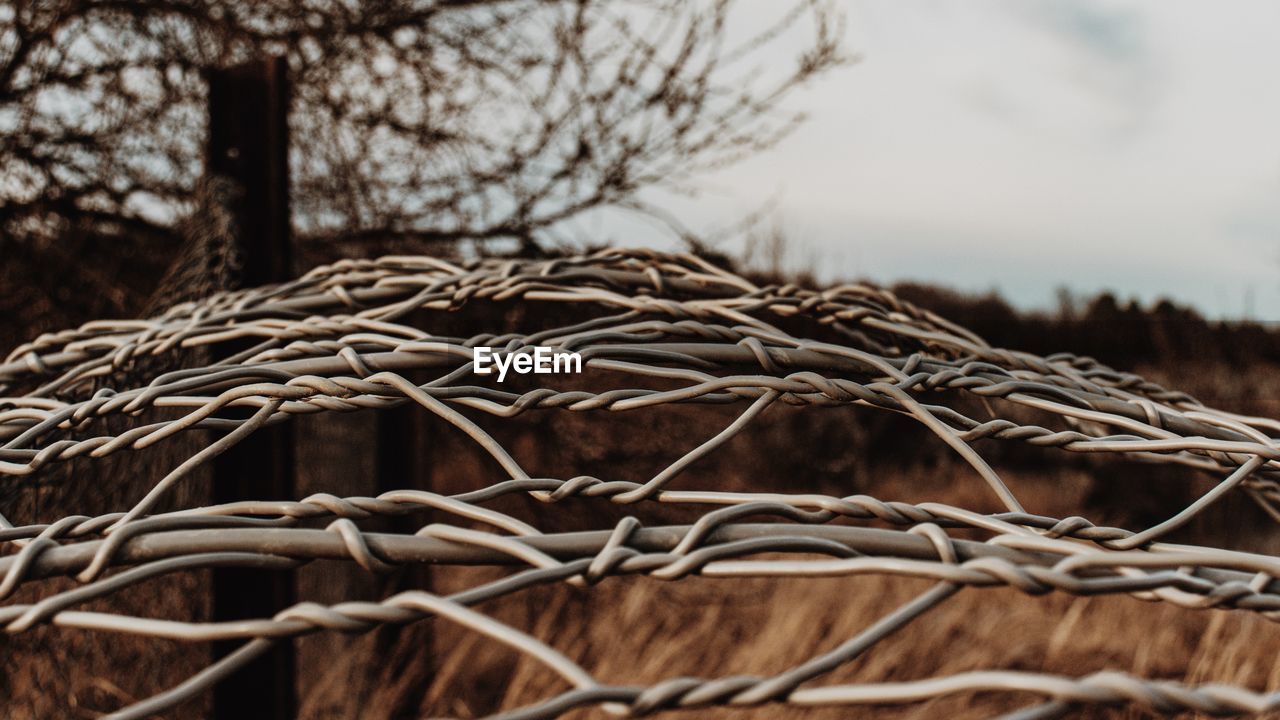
(684, 331)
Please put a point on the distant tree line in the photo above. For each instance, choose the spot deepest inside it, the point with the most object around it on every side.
(1122, 334)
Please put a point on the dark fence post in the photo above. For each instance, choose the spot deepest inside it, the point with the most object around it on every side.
(248, 143)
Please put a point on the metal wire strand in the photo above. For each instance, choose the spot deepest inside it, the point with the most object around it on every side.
(653, 330)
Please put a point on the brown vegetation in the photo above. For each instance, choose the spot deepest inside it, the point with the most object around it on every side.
(642, 630)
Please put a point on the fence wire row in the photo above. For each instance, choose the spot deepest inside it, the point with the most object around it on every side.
(664, 329)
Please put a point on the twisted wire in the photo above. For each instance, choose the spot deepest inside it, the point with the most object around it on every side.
(662, 329)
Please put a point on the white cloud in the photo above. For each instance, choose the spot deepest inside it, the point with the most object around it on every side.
(1027, 145)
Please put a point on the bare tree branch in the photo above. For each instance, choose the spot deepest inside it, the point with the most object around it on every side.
(462, 119)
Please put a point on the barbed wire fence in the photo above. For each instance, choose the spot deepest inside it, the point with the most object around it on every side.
(664, 329)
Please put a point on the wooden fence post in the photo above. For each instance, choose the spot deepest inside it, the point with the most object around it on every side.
(249, 143)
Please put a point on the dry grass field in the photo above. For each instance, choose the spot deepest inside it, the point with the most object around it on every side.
(643, 630)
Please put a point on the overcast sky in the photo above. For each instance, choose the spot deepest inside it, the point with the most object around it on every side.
(1026, 145)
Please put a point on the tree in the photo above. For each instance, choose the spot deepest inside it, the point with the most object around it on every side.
(431, 121)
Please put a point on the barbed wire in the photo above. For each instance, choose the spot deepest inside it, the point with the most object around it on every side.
(661, 329)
